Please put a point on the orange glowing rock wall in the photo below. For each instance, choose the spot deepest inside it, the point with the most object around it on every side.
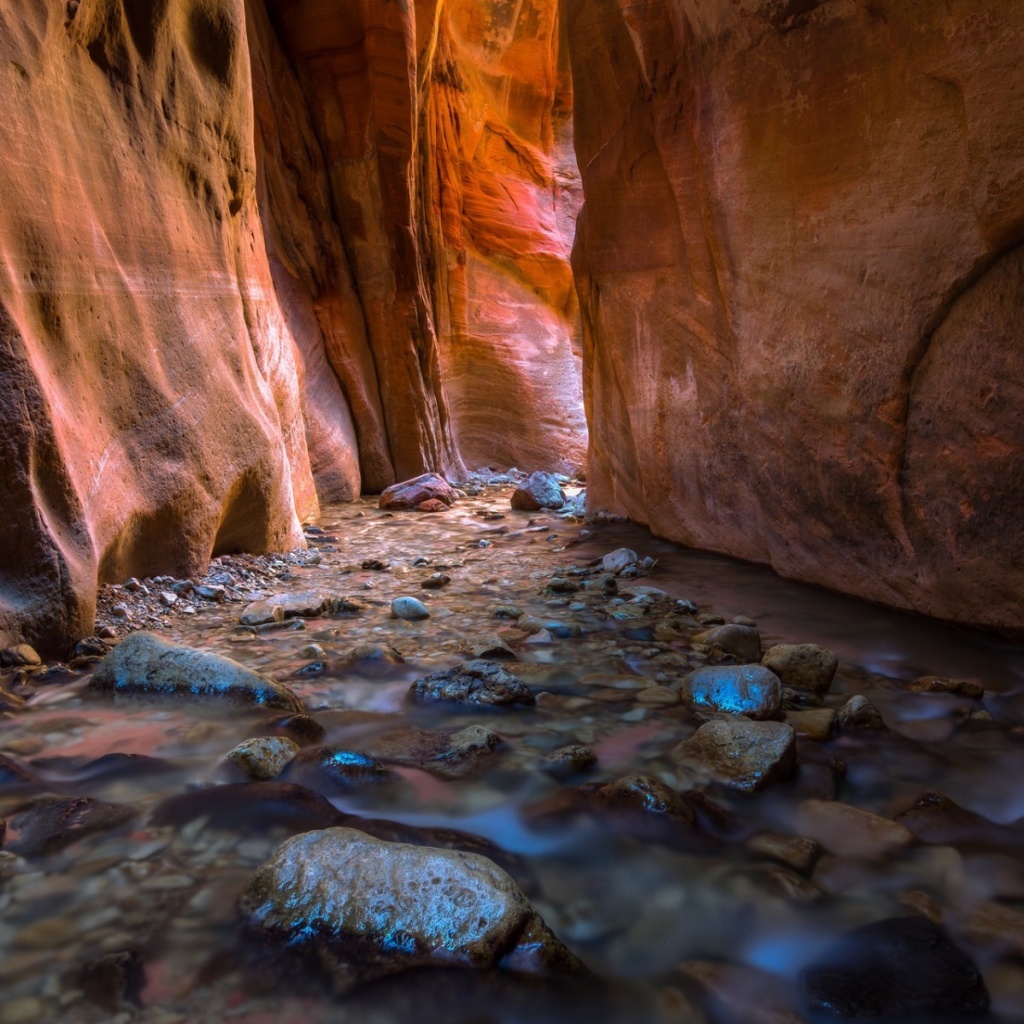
(800, 273)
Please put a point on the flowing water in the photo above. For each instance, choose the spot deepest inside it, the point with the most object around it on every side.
(633, 903)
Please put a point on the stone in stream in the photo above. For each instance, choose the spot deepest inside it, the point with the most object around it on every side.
(409, 608)
(19, 656)
(372, 660)
(306, 605)
(476, 683)
(649, 795)
(943, 684)
(750, 690)
(740, 754)
(849, 831)
(114, 982)
(263, 757)
(364, 908)
(539, 490)
(619, 560)
(51, 823)
(142, 664)
(569, 760)
(14, 773)
(741, 642)
(900, 969)
(935, 818)
(449, 753)
(410, 493)
(432, 505)
(303, 729)
(436, 581)
(738, 993)
(334, 769)
(859, 713)
(802, 666)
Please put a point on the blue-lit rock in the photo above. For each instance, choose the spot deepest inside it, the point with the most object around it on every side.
(365, 908)
(739, 754)
(750, 690)
(480, 683)
(144, 665)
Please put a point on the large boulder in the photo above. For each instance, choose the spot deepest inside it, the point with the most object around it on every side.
(365, 908)
(410, 493)
(537, 491)
(144, 665)
(749, 690)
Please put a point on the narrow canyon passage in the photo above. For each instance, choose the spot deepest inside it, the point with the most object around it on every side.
(699, 878)
(511, 511)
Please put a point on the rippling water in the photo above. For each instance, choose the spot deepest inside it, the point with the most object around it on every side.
(632, 906)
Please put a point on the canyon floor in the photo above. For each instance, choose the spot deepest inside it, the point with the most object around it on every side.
(703, 862)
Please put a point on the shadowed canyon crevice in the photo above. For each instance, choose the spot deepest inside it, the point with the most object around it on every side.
(254, 256)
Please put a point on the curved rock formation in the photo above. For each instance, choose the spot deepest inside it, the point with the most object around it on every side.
(800, 287)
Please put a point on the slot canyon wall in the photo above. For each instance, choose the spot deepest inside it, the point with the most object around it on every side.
(253, 257)
(801, 275)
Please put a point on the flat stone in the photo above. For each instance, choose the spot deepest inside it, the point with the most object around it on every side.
(657, 696)
(903, 968)
(743, 755)
(796, 851)
(333, 769)
(849, 831)
(802, 666)
(264, 757)
(481, 683)
(942, 684)
(409, 493)
(365, 908)
(750, 690)
(53, 823)
(306, 605)
(741, 642)
(814, 723)
(144, 665)
(409, 608)
(448, 753)
(539, 490)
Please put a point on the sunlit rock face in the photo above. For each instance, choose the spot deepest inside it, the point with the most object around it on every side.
(151, 410)
(800, 279)
(445, 130)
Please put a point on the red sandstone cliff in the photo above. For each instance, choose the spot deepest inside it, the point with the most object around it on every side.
(801, 286)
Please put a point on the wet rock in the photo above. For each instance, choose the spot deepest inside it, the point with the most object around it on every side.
(935, 818)
(243, 807)
(376, 564)
(303, 729)
(657, 696)
(506, 611)
(942, 684)
(996, 928)
(264, 757)
(849, 831)
(307, 605)
(144, 665)
(538, 491)
(558, 585)
(91, 647)
(115, 765)
(449, 753)
(859, 713)
(19, 655)
(409, 608)
(743, 755)
(114, 981)
(802, 666)
(814, 723)
(409, 493)
(436, 581)
(51, 823)
(750, 690)
(569, 760)
(488, 646)
(371, 660)
(480, 683)
(904, 969)
(647, 794)
(795, 851)
(619, 560)
(432, 505)
(741, 642)
(366, 908)
(735, 993)
(217, 594)
(335, 769)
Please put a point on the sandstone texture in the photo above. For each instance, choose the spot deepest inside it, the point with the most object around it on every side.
(799, 270)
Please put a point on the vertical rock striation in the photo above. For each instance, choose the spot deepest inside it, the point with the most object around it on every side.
(800, 282)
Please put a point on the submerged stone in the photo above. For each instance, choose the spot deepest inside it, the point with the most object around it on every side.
(477, 683)
(51, 823)
(142, 664)
(904, 969)
(749, 690)
(365, 908)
